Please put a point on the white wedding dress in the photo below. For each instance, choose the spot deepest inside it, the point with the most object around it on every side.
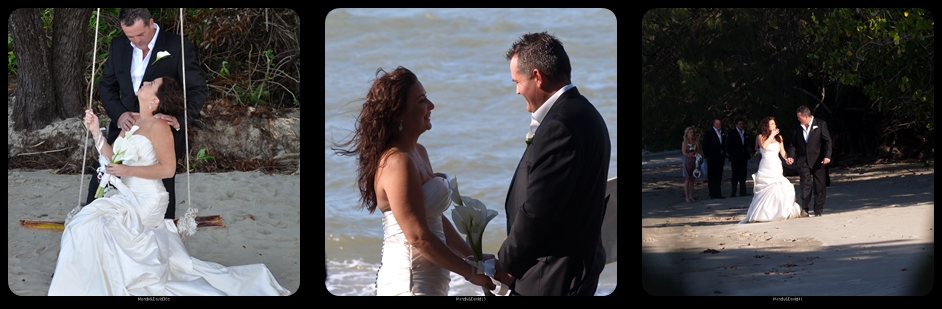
(773, 195)
(122, 245)
(405, 271)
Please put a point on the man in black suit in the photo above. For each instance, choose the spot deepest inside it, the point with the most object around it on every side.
(811, 149)
(132, 60)
(737, 145)
(714, 152)
(557, 197)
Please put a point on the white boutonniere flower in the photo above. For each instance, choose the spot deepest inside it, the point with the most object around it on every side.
(529, 139)
(161, 55)
(814, 128)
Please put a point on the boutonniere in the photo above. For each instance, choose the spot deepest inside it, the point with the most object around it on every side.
(160, 55)
(529, 139)
(813, 128)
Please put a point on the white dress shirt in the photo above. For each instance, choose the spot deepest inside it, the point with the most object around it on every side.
(540, 113)
(138, 63)
(808, 129)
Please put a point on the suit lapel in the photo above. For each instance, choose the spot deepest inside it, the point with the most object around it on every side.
(159, 45)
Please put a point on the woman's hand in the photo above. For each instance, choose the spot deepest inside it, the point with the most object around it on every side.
(483, 281)
(774, 132)
(119, 170)
(91, 122)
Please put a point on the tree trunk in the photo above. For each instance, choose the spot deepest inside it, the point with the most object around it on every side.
(34, 106)
(70, 42)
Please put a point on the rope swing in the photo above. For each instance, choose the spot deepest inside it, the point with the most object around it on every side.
(187, 223)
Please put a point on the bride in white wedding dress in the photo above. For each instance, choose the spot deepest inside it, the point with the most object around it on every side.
(420, 245)
(122, 245)
(773, 195)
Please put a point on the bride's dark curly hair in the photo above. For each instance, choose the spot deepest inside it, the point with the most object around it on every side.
(764, 126)
(375, 126)
(170, 94)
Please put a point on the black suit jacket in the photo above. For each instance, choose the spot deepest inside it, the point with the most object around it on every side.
(736, 149)
(117, 90)
(815, 149)
(713, 148)
(556, 202)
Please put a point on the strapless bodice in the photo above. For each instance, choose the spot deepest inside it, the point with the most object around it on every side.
(404, 270)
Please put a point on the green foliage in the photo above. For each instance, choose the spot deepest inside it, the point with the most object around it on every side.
(872, 66)
(11, 57)
(201, 157)
(887, 52)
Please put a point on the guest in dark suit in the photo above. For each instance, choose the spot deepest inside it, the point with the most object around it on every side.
(737, 145)
(811, 149)
(715, 153)
(132, 60)
(557, 197)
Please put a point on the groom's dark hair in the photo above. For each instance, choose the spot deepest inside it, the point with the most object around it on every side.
(541, 51)
(804, 111)
(129, 16)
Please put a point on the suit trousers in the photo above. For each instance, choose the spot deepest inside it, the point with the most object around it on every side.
(812, 178)
(739, 175)
(715, 175)
(168, 184)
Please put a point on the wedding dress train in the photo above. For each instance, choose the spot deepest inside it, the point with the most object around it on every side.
(405, 271)
(122, 245)
(773, 194)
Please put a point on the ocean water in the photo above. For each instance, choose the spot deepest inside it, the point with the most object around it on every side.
(478, 124)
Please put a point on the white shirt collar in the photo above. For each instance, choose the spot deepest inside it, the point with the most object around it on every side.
(138, 64)
(540, 113)
(809, 124)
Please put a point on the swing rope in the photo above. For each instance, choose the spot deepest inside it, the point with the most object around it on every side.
(91, 89)
(187, 223)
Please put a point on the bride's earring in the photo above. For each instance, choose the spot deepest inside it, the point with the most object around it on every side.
(400, 125)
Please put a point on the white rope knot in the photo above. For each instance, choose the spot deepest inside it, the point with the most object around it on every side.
(186, 226)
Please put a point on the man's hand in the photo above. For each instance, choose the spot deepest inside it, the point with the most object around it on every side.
(789, 161)
(826, 161)
(504, 277)
(128, 120)
(172, 121)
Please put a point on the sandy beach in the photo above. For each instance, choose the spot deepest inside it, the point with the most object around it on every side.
(876, 236)
(262, 214)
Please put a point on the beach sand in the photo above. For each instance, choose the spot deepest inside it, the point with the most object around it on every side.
(876, 236)
(262, 214)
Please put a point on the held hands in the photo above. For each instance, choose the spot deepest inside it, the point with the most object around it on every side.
(502, 276)
(483, 280)
(789, 161)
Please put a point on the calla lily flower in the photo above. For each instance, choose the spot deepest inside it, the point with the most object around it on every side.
(161, 55)
(455, 196)
(471, 217)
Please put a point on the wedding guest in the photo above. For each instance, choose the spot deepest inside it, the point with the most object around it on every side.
(736, 149)
(715, 154)
(690, 148)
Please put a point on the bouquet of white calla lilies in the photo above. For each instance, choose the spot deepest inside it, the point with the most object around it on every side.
(471, 217)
